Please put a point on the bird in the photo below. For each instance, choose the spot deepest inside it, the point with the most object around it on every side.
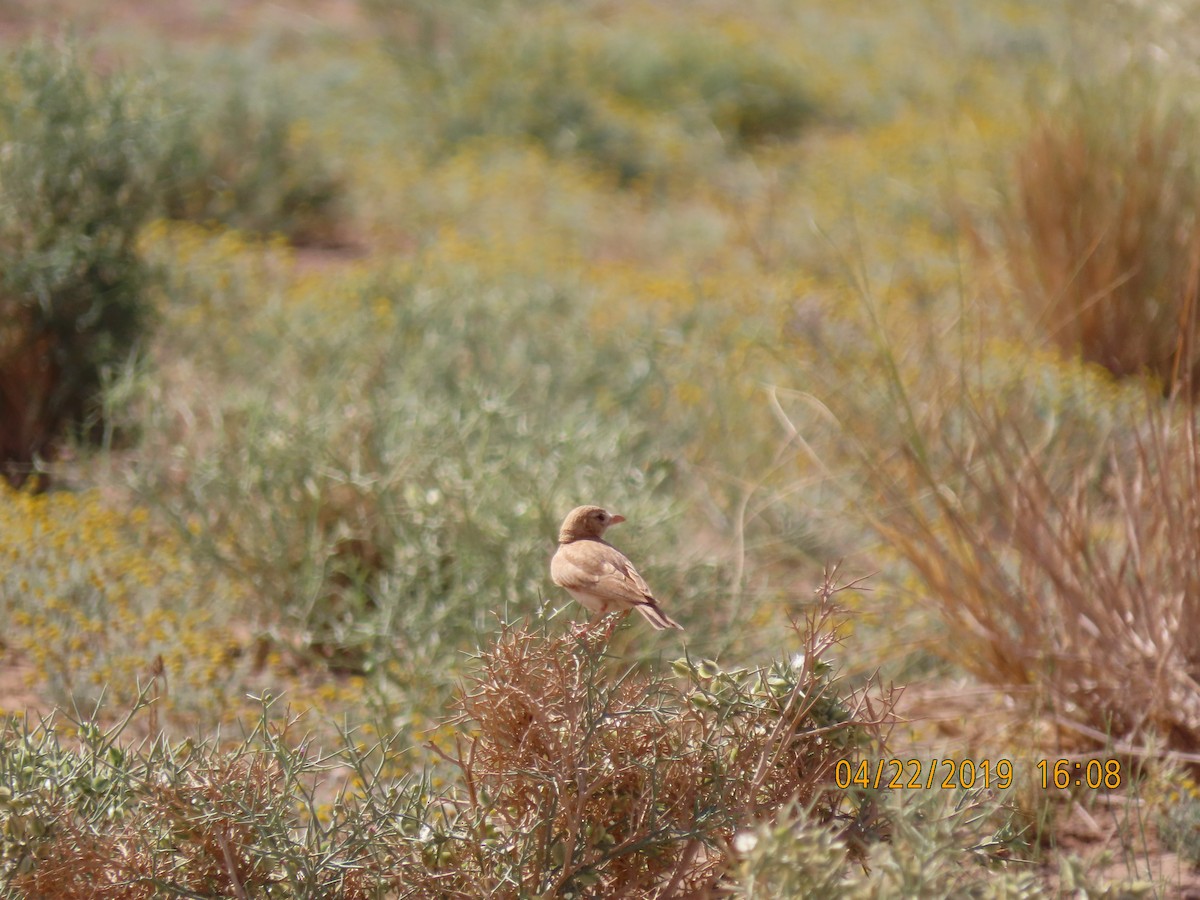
(596, 573)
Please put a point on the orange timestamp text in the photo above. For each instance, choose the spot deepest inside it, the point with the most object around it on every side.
(913, 774)
(1093, 774)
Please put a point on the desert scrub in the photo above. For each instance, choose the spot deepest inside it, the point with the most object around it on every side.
(637, 98)
(1050, 514)
(101, 605)
(567, 773)
(88, 159)
(581, 777)
(98, 816)
(939, 844)
(715, 75)
(77, 181)
(398, 472)
(242, 156)
(1179, 826)
(578, 776)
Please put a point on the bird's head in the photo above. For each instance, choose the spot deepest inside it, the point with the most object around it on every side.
(585, 522)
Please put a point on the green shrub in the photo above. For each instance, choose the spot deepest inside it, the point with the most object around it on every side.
(939, 844)
(87, 160)
(637, 99)
(77, 181)
(94, 816)
(1179, 825)
(239, 157)
(706, 77)
(529, 84)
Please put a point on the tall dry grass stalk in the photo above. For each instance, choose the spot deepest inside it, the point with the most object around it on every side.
(1102, 233)
(1065, 559)
(1086, 592)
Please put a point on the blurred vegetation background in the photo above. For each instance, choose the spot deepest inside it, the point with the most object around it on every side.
(317, 317)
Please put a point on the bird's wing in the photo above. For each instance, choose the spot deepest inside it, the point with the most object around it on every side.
(626, 585)
(623, 577)
(599, 569)
(570, 572)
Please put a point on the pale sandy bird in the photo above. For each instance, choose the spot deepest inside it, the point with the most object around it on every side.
(596, 573)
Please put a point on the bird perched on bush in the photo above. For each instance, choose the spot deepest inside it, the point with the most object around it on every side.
(599, 575)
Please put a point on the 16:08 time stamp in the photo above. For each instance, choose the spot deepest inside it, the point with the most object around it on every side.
(948, 774)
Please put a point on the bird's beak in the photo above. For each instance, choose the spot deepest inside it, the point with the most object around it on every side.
(616, 519)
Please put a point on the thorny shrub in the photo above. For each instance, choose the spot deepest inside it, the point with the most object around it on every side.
(570, 776)
(583, 779)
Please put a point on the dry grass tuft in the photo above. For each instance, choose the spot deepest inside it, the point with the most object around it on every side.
(1084, 587)
(1054, 519)
(1104, 233)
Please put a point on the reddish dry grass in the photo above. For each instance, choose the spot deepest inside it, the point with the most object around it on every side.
(1087, 591)
(1103, 235)
(1074, 581)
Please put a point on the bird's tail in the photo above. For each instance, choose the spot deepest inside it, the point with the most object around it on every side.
(656, 617)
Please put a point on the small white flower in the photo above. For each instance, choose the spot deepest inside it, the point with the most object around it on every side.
(745, 841)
